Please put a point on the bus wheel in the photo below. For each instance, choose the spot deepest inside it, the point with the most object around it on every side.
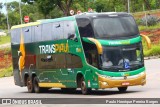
(37, 89)
(84, 88)
(122, 89)
(30, 85)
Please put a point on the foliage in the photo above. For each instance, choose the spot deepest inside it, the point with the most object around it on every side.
(150, 20)
(45, 6)
(147, 28)
(155, 50)
(14, 17)
(4, 39)
(110, 5)
(6, 72)
(42, 9)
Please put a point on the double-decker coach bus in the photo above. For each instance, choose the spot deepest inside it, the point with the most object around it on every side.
(87, 51)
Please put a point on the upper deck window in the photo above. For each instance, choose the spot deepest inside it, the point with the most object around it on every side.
(110, 27)
(85, 28)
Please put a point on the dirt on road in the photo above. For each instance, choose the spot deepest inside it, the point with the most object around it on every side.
(154, 35)
(5, 59)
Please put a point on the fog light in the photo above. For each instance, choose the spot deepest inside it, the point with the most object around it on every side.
(104, 83)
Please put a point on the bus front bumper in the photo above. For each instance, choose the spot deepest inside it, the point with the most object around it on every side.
(111, 82)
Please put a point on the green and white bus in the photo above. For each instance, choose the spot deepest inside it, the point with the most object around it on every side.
(87, 51)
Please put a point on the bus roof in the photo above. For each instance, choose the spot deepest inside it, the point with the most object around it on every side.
(82, 15)
(94, 14)
(43, 21)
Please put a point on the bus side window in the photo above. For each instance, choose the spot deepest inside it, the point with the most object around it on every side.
(69, 60)
(73, 61)
(46, 61)
(27, 34)
(89, 57)
(60, 61)
(38, 33)
(57, 31)
(32, 33)
(76, 61)
(69, 29)
(85, 28)
(46, 31)
(17, 36)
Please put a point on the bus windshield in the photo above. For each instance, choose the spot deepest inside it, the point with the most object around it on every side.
(111, 27)
(124, 58)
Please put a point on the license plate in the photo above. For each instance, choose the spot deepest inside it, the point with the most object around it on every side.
(125, 83)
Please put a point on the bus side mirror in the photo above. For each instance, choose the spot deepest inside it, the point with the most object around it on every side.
(146, 38)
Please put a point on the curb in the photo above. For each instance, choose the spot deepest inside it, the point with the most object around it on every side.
(152, 57)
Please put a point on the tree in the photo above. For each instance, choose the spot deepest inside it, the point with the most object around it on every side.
(147, 3)
(46, 6)
(27, 9)
(110, 5)
(64, 5)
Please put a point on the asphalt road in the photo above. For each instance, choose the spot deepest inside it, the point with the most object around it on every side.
(150, 90)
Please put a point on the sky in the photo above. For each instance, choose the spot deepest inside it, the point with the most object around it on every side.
(3, 1)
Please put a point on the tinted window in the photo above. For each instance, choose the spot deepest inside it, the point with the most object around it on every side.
(58, 30)
(76, 61)
(15, 36)
(46, 61)
(85, 28)
(33, 33)
(69, 29)
(73, 61)
(59, 61)
(46, 31)
(115, 27)
(27, 34)
(38, 34)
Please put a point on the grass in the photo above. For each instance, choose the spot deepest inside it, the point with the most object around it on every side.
(154, 51)
(4, 39)
(138, 14)
(6, 72)
(148, 28)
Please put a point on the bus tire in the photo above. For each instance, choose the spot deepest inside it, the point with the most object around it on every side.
(37, 89)
(29, 84)
(122, 89)
(84, 88)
